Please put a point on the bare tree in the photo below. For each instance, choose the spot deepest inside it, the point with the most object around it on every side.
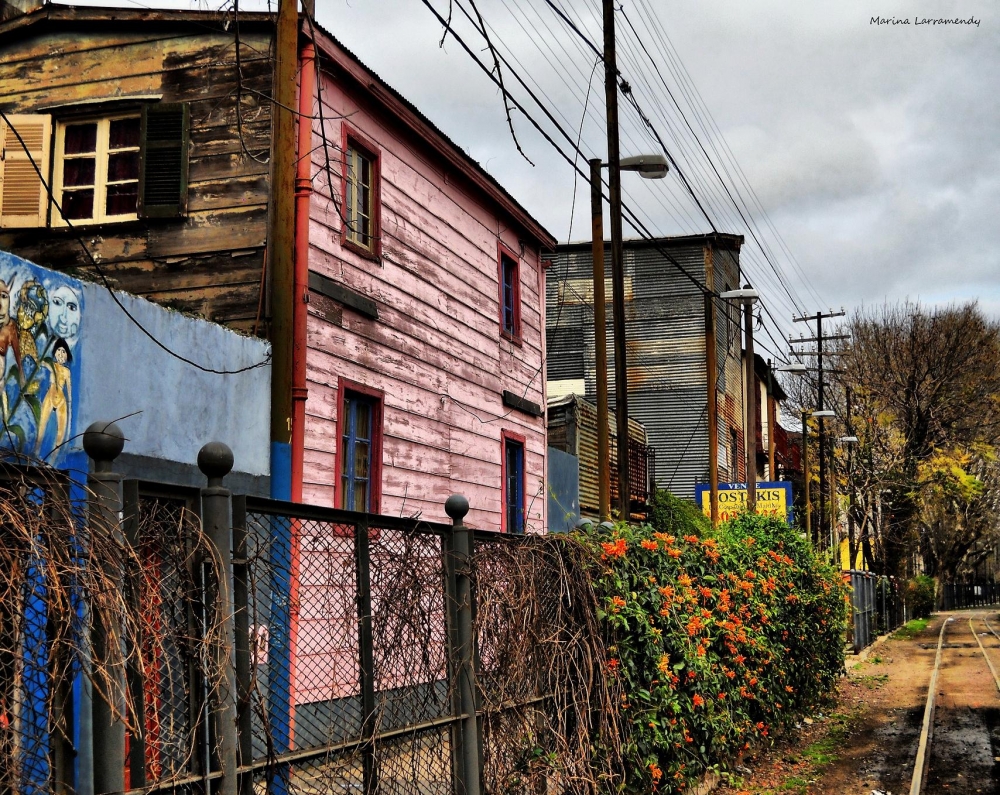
(926, 389)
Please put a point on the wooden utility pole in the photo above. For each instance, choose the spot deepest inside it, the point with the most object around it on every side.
(805, 472)
(600, 341)
(280, 244)
(712, 373)
(819, 317)
(617, 260)
(751, 407)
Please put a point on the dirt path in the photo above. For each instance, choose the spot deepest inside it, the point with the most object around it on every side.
(868, 740)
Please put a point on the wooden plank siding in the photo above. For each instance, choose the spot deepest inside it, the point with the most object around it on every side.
(208, 263)
(436, 351)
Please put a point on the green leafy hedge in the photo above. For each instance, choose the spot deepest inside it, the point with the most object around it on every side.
(716, 641)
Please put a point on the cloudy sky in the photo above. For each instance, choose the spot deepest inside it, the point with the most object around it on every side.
(865, 158)
(873, 151)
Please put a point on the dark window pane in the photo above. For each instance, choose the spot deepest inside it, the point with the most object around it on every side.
(360, 495)
(360, 460)
(79, 171)
(122, 199)
(78, 204)
(123, 133)
(81, 138)
(122, 166)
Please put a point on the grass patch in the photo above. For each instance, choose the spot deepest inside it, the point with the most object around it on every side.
(911, 628)
(873, 681)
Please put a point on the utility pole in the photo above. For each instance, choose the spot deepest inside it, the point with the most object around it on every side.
(617, 260)
(819, 317)
(750, 441)
(805, 472)
(711, 364)
(600, 339)
(280, 245)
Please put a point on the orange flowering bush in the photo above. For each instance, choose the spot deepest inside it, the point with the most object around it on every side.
(715, 641)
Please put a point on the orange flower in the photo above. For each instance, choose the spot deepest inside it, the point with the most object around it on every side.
(685, 580)
(663, 666)
(691, 539)
(614, 550)
(666, 539)
(655, 772)
(674, 552)
(617, 603)
(650, 545)
(697, 700)
(613, 665)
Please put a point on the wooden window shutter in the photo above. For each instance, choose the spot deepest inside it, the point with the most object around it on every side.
(23, 199)
(163, 175)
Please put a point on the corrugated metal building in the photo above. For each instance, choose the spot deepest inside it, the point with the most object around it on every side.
(665, 332)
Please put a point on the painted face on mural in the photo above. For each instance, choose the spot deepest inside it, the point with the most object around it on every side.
(4, 303)
(64, 312)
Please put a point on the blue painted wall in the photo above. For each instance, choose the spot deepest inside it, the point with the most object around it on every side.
(79, 358)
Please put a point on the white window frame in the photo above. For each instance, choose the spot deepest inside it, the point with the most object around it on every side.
(100, 170)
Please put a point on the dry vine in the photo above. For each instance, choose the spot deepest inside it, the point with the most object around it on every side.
(78, 599)
(541, 647)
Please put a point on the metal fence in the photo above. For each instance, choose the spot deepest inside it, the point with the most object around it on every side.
(877, 607)
(955, 596)
(240, 645)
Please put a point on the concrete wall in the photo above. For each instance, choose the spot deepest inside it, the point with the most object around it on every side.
(167, 408)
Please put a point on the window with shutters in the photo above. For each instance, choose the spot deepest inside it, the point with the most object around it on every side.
(113, 168)
(361, 207)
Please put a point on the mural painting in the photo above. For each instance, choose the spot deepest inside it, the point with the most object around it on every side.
(40, 318)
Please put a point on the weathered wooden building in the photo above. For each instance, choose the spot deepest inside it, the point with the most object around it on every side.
(426, 310)
(665, 333)
(138, 150)
(572, 426)
(155, 150)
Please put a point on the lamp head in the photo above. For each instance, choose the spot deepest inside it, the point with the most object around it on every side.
(648, 166)
(746, 295)
(794, 367)
(825, 413)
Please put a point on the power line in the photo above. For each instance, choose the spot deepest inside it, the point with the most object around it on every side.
(104, 278)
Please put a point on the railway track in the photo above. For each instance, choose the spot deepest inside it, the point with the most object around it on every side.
(959, 745)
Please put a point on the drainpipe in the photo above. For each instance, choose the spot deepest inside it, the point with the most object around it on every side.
(303, 195)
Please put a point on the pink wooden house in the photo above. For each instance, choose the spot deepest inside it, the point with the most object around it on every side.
(425, 328)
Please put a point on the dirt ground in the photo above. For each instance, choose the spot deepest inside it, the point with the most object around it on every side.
(865, 743)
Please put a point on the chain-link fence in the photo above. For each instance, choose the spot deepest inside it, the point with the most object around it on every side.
(296, 650)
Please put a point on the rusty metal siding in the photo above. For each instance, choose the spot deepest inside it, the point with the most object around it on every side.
(666, 345)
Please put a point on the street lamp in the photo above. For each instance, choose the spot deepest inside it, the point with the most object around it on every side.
(748, 297)
(649, 167)
(793, 367)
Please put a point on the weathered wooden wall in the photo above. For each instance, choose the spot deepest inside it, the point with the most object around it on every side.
(208, 263)
(436, 349)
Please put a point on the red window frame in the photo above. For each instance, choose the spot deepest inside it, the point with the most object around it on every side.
(512, 436)
(352, 138)
(504, 251)
(377, 397)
